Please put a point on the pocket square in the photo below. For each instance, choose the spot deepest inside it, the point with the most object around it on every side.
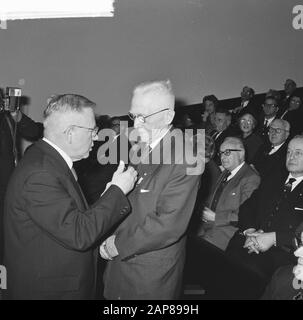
(299, 209)
(144, 191)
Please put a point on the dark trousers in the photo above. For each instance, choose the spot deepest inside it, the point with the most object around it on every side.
(262, 265)
(283, 287)
(221, 276)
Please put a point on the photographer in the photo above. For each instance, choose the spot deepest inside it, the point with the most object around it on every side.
(13, 125)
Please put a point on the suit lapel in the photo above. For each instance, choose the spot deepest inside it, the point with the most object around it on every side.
(61, 166)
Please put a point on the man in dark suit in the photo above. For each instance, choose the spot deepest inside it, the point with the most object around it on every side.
(146, 252)
(268, 115)
(234, 186)
(50, 231)
(223, 130)
(13, 126)
(268, 220)
(248, 104)
(270, 160)
(290, 89)
(294, 115)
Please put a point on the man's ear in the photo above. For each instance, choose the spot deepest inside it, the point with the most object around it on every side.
(170, 116)
(69, 134)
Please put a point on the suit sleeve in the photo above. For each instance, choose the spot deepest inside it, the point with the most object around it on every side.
(166, 223)
(247, 188)
(51, 207)
(30, 129)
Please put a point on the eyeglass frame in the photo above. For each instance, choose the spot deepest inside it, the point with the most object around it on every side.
(276, 130)
(94, 131)
(141, 118)
(228, 151)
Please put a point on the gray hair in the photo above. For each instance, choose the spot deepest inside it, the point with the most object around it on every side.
(67, 102)
(285, 124)
(157, 87)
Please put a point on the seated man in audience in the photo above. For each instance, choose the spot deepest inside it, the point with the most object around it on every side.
(268, 115)
(271, 158)
(268, 220)
(294, 115)
(286, 283)
(210, 104)
(223, 130)
(234, 186)
(290, 89)
(247, 104)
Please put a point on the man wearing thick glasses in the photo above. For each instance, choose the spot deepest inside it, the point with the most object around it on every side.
(50, 231)
(146, 252)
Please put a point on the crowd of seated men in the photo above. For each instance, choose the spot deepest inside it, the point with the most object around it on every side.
(248, 220)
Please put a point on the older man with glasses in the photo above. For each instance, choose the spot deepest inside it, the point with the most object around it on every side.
(234, 186)
(146, 253)
(50, 231)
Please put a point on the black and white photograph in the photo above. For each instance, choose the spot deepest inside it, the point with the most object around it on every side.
(151, 151)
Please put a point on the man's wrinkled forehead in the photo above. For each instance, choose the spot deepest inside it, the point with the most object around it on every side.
(148, 102)
(296, 143)
(227, 145)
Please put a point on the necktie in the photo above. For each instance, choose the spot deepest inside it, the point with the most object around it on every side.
(288, 185)
(266, 123)
(219, 191)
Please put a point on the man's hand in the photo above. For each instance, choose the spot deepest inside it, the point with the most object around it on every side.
(263, 241)
(125, 180)
(108, 249)
(208, 215)
(251, 244)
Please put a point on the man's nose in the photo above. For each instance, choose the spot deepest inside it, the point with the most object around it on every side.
(95, 137)
(137, 123)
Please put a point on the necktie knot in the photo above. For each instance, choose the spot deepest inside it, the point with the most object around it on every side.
(227, 174)
(288, 185)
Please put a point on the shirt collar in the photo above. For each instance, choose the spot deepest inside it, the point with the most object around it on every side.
(63, 154)
(235, 171)
(298, 180)
(275, 148)
(270, 120)
(154, 143)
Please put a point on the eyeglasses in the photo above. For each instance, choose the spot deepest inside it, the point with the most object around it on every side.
(270, 105)
(276, 130)
(142, 118)
(296, 154)
(227, 152)
(94, 131)
(246, 121)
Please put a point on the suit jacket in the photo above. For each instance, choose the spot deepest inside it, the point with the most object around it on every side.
(295, 120)
(251, 108)
(268, 209)
(26, 128)
(50, 231)
(268, 165)
(151, 242)
(238, 189)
